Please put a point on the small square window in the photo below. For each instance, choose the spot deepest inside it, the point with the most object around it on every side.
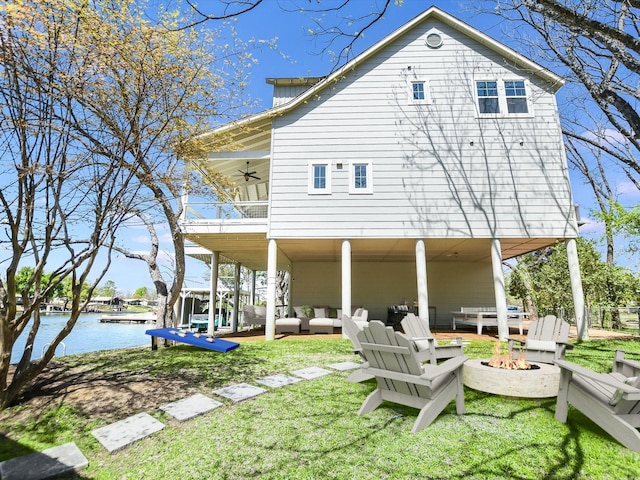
(488, 101)
(516, 94)
(319, 178)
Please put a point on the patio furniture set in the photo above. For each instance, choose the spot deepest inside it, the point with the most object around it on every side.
(317, 319)
(397, 361)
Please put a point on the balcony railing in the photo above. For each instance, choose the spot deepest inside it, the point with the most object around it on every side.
(226, 211)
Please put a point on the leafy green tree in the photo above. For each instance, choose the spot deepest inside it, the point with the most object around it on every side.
(625, 222)
(141, 292)
(109, 289)
(24, 284)
(550, 287)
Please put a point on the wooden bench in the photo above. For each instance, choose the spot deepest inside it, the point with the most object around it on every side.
(485, 317)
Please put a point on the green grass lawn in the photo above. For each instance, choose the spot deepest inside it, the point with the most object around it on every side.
(310, 429)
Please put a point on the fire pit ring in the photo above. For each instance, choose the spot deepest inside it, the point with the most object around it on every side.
(542, 382)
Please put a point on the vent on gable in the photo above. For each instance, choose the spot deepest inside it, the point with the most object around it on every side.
(434, 40)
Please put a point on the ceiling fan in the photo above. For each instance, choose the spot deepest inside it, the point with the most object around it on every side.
(247, 174)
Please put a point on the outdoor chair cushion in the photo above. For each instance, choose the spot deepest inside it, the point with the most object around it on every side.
(321, 312)
(544, 345)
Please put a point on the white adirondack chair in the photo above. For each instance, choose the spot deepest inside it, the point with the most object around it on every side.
(351, 328)
(611, 400)
(547, 340)
(418, 330)
(393, 360)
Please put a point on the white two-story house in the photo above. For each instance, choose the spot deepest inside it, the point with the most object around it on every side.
(408, 175)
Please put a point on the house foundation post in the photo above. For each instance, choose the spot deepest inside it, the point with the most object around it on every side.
(252, 294)
(236, 298)
(576, 289)
(213, 291)
(421, 274)
(499, 289)
(346, 280)
(272, 262)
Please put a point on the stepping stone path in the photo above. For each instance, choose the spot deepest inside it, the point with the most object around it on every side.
(191, 407)
(345, 366)
(120, 434)
(277, 381)
(49, 463)
(239, 392)
(66, 458)
(311, 373)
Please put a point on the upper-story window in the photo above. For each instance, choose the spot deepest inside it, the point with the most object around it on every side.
(516, 94)
(418, 92)
(319, 178)
(361, 177)
(508, 97)
(488, 101)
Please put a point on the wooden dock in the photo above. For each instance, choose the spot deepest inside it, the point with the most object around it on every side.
(144, 317)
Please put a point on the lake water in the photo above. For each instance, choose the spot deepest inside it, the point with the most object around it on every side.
(88, 335)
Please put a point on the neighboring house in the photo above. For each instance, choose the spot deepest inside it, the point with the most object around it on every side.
(115, 302)
(407, 175)
(132, 302)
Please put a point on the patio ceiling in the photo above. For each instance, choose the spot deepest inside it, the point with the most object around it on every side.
(229, 151)
(251, 249)
(232, 165)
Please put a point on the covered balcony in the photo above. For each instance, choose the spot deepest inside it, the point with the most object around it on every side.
(237, 167)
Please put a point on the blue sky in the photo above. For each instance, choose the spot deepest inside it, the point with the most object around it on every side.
(300, 54)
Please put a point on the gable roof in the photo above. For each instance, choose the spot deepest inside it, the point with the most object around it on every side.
(262, 119)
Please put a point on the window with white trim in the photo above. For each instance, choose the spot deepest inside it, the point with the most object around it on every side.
(361, 177)
(419, 92)
(417, 88)
(502, 98)
(516, 94)
(319, 178)
(488, 100)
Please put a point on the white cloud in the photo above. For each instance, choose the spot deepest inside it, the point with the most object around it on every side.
(140, 239)
(610, 136)
(592, 227)
(627, 189)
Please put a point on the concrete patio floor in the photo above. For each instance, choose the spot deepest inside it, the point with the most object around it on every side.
(440, 334)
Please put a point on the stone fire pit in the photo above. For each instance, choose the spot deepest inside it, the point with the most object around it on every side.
(542, 382)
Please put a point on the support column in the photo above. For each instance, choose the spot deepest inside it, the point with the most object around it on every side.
(576, 289)
(220, 308)
(500, 293)
(236, 298)
(272, 264)
(252, 294)
(346, 281)
(421, 275)
(213, 291)
(288, 312)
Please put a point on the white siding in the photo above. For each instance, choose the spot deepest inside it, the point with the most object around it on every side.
(284, 94)
(430, 180)
(376, 285)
